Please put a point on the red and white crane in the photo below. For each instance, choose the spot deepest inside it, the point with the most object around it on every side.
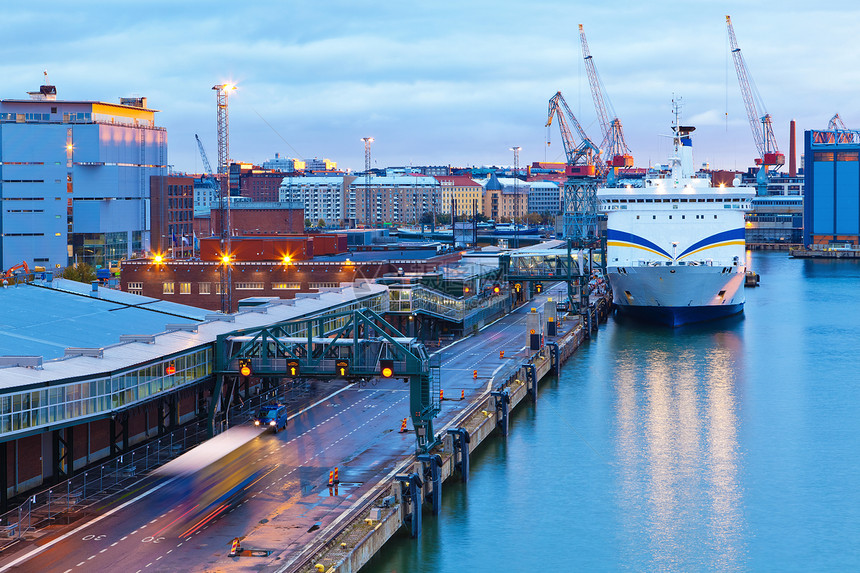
(614, 146)
(761, 125)
(583, 158)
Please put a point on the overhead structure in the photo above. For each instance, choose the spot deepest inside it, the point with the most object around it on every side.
(615, 148)
(583, 156)
(761, 125)
(221, 93)
(356, 345)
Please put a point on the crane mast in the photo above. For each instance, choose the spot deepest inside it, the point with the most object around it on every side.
(761, 126)
(613, 133)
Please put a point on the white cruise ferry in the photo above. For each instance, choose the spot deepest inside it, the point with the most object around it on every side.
(675, 247)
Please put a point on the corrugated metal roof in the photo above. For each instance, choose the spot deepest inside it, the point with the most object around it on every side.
(42, 321)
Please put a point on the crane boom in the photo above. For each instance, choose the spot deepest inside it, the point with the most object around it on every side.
(613, 134)
(585, 153)
(203, 156)
(761, 126)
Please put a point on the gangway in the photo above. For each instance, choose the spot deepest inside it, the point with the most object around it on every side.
(355, 345)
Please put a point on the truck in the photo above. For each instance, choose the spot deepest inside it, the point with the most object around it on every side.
(272, 416)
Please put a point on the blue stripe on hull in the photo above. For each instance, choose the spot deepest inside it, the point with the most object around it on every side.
(679, 315)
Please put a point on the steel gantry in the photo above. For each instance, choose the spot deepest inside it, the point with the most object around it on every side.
(354, 345)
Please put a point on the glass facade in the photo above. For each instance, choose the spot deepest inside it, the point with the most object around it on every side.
(65, 402)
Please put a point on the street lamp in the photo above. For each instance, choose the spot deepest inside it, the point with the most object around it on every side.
(516, 149)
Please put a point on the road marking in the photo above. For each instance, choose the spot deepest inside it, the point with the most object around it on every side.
(159, 557)
(91, 557)
(38, 550)
(81, 563)
(114, 543)
(103, 550)
(124, 538)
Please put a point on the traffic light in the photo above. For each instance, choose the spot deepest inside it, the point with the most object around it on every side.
(538, 288)
(292, 368)
(386, 368)
(245, 366)
(342, 368)
(519, 287)
(497, 289)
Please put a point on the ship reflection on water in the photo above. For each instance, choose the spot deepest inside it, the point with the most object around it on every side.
(677, 452)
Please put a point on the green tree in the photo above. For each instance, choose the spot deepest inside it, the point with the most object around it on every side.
(81, 272)
(321, 223)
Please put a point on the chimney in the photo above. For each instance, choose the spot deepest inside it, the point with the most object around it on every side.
(792, 151)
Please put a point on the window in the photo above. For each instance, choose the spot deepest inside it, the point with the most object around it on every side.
(286, 286)
(184, 288)
(323, 285)
(167, 288)
(135, 286)
(249, 286)
(205, 288)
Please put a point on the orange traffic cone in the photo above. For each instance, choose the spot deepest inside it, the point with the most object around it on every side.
(336, 478)
(403, 426)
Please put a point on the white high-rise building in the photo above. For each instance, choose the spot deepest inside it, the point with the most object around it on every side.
(322, 197)
(74, 179)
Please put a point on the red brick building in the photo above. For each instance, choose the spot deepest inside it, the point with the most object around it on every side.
(255, 219)
(172, 215)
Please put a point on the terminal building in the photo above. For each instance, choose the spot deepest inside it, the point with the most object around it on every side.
(75, 179)
(116, 369)
(832, 188)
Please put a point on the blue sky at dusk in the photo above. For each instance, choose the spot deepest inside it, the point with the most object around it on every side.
(439, 82)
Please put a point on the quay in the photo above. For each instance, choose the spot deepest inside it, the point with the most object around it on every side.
(347, 433)
(415, 491)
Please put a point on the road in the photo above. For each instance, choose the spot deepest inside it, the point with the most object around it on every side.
(284, 505)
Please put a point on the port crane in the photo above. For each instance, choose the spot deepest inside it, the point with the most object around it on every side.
(582, 158)
(761, 125)
(616, 150)
(579, 201)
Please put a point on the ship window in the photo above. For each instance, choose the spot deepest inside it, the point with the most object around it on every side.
(715, 216)
(683, 216)
(682, 263)
(670, 216)
(653, 216)
(637, 216)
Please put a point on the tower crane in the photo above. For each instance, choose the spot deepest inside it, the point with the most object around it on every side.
(761, 125)
(226, 275)
(583, 158)
(617, 152)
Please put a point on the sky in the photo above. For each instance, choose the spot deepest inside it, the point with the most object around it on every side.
(440, 82)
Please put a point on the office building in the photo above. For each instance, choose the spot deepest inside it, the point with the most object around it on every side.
(74, 179)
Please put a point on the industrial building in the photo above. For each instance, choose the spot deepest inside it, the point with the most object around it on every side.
(832, 187)
(75, 179)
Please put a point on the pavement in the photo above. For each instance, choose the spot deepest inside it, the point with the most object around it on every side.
(282, 507)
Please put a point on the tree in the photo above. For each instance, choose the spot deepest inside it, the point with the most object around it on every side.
(307, 223)
(81, 272)
(534, 219)
(321, 223)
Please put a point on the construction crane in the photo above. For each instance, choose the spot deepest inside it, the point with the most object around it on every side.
(613, 144)
(583, 158)
(761, 125)
(226, 274)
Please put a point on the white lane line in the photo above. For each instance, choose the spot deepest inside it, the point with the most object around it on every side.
(124, 538)
(114, 543)
(91, 557)
(103, 550)
(81, 563)
(38, 550)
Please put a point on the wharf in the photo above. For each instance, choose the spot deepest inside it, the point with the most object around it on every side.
(802, 253)
(372, 525)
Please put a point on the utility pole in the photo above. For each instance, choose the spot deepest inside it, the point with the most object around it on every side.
(226, 269)
(367, 218)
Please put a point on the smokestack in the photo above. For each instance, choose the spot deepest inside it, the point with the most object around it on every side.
(792, 151)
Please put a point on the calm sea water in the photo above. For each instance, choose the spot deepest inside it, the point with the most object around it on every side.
(728, 446)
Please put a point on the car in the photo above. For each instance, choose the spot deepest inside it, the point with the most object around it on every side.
(273, 416)
(561, 306)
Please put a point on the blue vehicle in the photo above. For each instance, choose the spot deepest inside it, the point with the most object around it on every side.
(273, 416)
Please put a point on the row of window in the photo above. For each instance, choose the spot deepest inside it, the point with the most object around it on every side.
(169, 287)
(58, 404)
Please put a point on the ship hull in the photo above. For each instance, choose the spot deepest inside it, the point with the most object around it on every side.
(674, 296)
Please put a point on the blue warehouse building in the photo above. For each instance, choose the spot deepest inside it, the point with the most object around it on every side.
(74, 179)
(831, 210)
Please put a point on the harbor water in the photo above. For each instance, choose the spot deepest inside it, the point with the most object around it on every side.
(725, 446)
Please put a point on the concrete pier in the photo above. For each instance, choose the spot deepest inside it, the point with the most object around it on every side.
(365, 534)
